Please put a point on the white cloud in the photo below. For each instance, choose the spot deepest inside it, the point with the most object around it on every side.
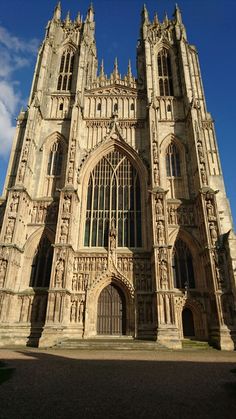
(15, 54)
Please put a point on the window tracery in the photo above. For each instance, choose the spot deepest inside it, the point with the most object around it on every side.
(164, 73)
(172, 161)
(66, 71)
(113, 197)
(182, 266)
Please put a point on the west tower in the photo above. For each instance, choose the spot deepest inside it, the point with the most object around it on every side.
(115, 220)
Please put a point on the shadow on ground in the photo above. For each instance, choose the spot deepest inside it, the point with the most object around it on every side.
(52, 386)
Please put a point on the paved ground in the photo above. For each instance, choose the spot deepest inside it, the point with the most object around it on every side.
(93, 384)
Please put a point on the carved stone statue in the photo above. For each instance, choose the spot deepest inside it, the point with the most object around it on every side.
(159, 207)
(3, 268)
(160, 232)
(59, 272)
(64, 232)
(112, 236)
(73, 311)
(14, 203)
(213, 233)
(9, 230)
(66, 205)
(163, 274)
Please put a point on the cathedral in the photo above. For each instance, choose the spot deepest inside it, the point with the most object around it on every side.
(114, 221)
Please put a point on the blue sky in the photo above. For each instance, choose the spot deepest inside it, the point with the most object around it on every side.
(210, 26)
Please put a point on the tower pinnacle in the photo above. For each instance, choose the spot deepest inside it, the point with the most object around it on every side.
(57, 11)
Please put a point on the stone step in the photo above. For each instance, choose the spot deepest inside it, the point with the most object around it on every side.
(109, 344)
(195, 344)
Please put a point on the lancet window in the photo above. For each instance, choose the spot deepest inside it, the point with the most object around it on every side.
(55, 160)
(113, 197)
(42, 264)
(164, 73)
(66, 71)
(182, 265)
(172, 161)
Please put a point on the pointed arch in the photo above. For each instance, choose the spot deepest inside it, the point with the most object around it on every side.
(114, 183)
(173, 165)
(187, 269)
(66, 67)
(54, 160)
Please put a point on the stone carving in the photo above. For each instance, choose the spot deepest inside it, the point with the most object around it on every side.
(26, 151)
(9, 230)
(70, 173)
(163, 274)
(203, 175)
(159, 207)
(59, 274)
(112, 237)
(72, 151)
(200, 152)
(213, 233)
(64, 231)
(160, 232)
(67, 204)
(77, 310)
(182, 215)
(22, 171)
(14, 203)
(3, 269)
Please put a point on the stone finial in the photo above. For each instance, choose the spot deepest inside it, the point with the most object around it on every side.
(102, 74)
(78, 19)
(129, 73)
(57, 11)
(145, 18)
(177, 14)
(68, 21)
(90, 13)
(115, 71)
(166, 20)
(156, 21)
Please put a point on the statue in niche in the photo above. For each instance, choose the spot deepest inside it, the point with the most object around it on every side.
(159, 207)
(112, 236)
(81, 311)
(163, 274)
(73, 311)
(200, 152)
(64, 232)
(3, 268)
(59, 272)
(14, 203)
(22, 171)
(74, 283)
(25, 151)
(34, 214)
(156, 174)
(9, 231)
(203, 176)
(70, 174)
(66, 205)
(213, 233)
(160, 232)
(210, 210)
(72, 151)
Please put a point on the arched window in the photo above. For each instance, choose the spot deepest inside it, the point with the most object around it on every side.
(172, 161)
(55, 160)
(164, 73)
(113, 196)
(66, 70)
(182, 265)
(42, 264)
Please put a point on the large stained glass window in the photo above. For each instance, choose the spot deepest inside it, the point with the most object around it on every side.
(182, 265)
(113, 196)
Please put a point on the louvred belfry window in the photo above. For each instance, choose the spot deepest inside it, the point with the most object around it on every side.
(172, 161)
(113, 196)
(66, 71)
(164, 73)
(55, 160)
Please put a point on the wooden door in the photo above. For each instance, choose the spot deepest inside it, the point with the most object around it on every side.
(111, 311)
(188, 323)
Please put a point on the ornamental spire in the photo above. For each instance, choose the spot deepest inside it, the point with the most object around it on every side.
(57, 11)
(90, 13)
(144, 14)
(115, 71)
(177, 14)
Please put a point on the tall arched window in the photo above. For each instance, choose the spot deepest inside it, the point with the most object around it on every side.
(164, 73)
(182, 265)
(113, 195)
(172, 161)
(66, 71)
(55, 160)
(42, 264)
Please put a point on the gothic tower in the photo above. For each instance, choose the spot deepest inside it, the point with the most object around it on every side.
(114, 218)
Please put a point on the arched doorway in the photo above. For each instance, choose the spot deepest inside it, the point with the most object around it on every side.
(111, 318)
(188, 323)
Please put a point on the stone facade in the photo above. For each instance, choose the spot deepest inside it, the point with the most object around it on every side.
(114, 218)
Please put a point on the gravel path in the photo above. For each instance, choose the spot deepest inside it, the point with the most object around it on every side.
(126, 384)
